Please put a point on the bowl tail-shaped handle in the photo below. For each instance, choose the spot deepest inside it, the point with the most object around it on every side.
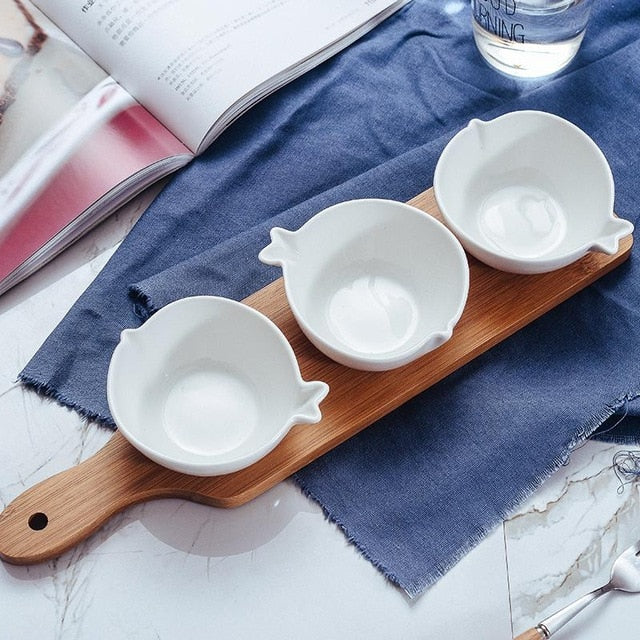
(130, 336)
(134, 342)
(310, 395)
(441, 337)
(282, 248)
(478, 127)
(614, 231)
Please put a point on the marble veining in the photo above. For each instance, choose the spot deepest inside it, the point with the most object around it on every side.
(275, 568)
(277, 551)
(562, 543)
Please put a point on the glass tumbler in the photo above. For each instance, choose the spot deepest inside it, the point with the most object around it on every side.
(529, 38)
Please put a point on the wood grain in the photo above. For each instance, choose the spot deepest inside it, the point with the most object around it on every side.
(531, 634)
(68, 507)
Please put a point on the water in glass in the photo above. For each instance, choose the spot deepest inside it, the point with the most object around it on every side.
(529, 38)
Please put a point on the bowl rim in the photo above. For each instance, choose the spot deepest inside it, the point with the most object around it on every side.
(398, 357)
(485, 252)
(209, 465)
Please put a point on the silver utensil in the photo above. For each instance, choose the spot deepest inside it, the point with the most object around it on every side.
(625, 576)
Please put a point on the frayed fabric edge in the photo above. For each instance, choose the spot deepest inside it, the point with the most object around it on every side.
(143, 306)
(45, 390)
(610, 436)
(412, 590)
(415, 589)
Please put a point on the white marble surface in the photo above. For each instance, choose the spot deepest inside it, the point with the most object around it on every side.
(561, 544)
(275, 568)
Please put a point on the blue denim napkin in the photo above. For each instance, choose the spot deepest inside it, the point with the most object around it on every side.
(418, 489)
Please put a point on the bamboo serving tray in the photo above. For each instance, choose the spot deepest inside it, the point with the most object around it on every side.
(59, 512)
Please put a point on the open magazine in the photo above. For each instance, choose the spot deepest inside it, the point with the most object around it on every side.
(101, 98)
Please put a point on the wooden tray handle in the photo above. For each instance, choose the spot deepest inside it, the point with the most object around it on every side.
(59, 512)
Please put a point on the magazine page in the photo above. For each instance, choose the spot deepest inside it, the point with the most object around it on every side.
(73, 143)
(197, 63)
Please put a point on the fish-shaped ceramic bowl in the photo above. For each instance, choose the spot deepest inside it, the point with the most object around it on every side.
(208, 386)
(373, 284)
(528, 192)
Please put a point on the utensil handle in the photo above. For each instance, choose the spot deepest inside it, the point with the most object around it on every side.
(554, 622)
(547, 627)
(532, 634)
(52, 516)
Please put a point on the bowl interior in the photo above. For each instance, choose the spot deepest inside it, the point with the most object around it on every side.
(203, 380)
(377, 278)
(527, 185)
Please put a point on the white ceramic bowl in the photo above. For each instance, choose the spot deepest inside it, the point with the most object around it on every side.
(528, 192)
(208, 386)
(372, 283)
